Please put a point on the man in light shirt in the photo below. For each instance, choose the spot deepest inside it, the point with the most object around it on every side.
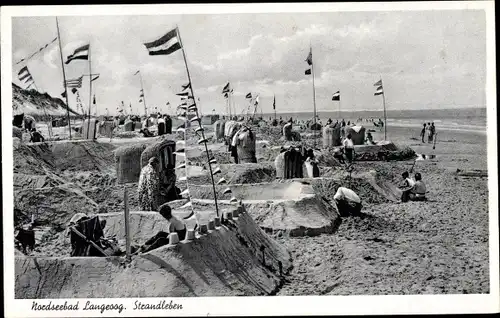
(349, 148)
(419, 190)
(406, 186)
(348, 202)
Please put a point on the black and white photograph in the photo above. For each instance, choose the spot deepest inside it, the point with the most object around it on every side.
(168, 156)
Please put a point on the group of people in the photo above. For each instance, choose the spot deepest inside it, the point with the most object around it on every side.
(429, 131)
(413, 189)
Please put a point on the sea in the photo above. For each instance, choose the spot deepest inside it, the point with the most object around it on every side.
(464, 119)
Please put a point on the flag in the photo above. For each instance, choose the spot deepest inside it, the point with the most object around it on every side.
(74, 90)
(96, 76)
(77, 82)
(184, 87)
(94, 100)
(379, 91)
(24, 75)
(182, 94)
(167, 44)
(256, 100)
(226, 95)
(308, 72)
(226, 88)
(168, 103)
(249, 95)
(274, 103)
(136, 73)
(142, 95)
(379, 83)
(336, 96)
(81, 53)
(140, 100)
(309, 58)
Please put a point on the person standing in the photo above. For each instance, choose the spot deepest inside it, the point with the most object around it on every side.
(36, 136)
(149, 186)
(432, 132)
(349, 148)
(428, 131)
(422, 132)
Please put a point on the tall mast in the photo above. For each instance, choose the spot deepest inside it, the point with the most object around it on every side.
(385, 116)
(197, 115)
(143, 95)
(64, 77)
(314, 97)
(90, 90)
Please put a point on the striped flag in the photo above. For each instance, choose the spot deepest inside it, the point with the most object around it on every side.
(379, 91)
(336, 96)
(167, 44)
(226, 88)
(182, 94)
(24, 75)
(81, 53)
(76, 83)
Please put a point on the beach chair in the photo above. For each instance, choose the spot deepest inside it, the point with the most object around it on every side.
(86, 236)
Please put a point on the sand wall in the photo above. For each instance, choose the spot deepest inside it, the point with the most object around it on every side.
(225, 262)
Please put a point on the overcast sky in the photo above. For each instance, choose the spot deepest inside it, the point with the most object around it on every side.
(427, 59)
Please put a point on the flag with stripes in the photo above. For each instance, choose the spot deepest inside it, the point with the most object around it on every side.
(81, 53)
(24, 75)
(336, 96)
(379, 91)
(379, 83)
(226, 88)
(167, 44)
(75, 83)
(182, 94)
(249, 95)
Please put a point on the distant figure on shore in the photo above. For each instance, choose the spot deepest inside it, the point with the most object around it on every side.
(162, 237)
(149, 186)
(369, 139)
(422, 132)
(428, 131)
(36, 136)
(432, 132)
(349, 148)
(347, 201)
(168, 124)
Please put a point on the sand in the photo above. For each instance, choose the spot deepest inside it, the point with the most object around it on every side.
(435, 247)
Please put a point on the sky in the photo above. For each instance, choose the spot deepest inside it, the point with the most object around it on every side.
(426, 59)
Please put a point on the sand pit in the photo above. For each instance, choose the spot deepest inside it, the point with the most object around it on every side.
(53, 205)
(63, 156)
(224, 262)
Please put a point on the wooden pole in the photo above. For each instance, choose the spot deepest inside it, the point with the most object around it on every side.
(64, 78)
(385, 116)
(202, 131)
(274, 106)
(127, 224)
(314, 97)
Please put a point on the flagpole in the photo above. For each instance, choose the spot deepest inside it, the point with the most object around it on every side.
(385, 117)
(90, 91)
(314, 96)
(274, 106)
(143, 95)
(64, 77)
(202, 131)
(340, 98)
